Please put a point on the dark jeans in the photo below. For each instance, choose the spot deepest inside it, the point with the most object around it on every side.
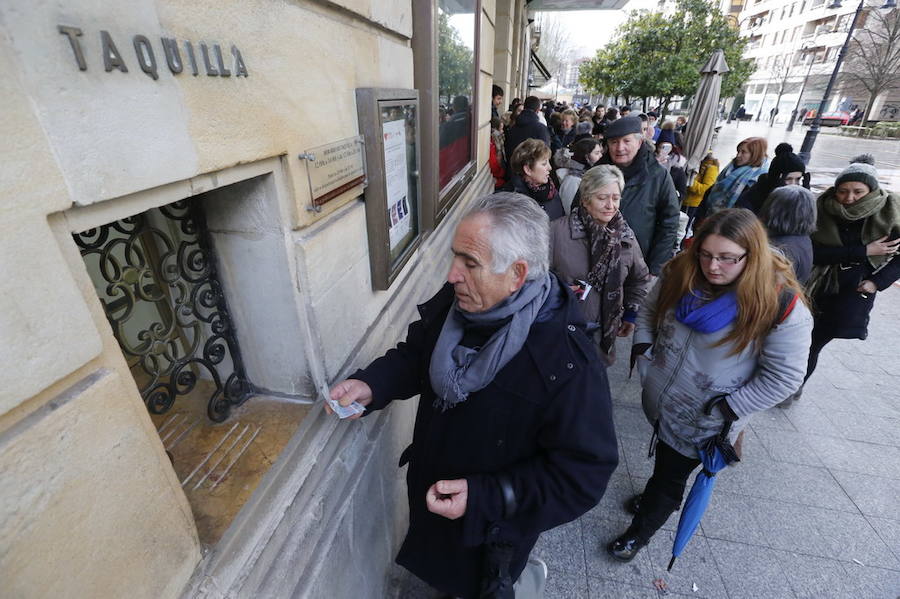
(819, 340)
(663, 492)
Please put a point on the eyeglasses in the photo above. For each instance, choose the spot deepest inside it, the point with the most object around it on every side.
(723, 260)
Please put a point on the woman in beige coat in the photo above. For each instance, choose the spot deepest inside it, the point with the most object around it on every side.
(595, 251)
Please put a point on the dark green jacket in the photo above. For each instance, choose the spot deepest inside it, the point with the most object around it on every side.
(650, 206)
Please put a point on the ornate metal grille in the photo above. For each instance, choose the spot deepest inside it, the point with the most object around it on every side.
(156, 277)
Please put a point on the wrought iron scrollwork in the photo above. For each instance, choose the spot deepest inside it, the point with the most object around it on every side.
(156, 277)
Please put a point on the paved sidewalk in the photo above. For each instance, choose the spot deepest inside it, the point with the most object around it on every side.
(812, 511)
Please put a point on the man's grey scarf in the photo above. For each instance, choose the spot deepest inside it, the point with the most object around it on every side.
(456, 370)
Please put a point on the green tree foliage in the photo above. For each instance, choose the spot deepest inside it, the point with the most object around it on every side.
(455, 63)
(660, 55)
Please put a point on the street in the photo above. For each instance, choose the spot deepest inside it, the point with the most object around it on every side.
(829, 155)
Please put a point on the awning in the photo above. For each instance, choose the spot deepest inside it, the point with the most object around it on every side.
(539, 74)
(552, 5)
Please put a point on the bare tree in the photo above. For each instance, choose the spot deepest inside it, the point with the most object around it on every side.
(556, 49)
(873, 58)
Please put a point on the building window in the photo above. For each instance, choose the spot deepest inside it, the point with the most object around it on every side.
(445, 49)
(456, 86)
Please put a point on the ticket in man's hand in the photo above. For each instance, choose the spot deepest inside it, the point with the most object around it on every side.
(343, 412)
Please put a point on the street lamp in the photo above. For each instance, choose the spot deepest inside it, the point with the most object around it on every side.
(810, 139)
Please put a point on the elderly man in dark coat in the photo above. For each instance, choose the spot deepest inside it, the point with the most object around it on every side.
(513, 433)
(650, 202)
(527, 126)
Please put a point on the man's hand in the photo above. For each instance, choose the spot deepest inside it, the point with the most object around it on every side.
(626, 329)
(448, 498)
(348, 391)
(867, 286)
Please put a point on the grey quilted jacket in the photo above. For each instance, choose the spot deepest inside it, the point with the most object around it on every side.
(683, 370)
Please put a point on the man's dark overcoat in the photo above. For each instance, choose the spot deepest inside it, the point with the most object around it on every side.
(542, 429)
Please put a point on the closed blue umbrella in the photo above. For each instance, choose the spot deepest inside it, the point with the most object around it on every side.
(715, 453)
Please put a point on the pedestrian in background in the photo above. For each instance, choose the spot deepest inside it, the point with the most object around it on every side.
(585, 154)
(649, 200)
(725, 326)
(526, 126)
(595, 251)
(497, 155)
(855, 251)
(789, 215)
(742, 172)
(530, 165)
(786, 168)
(706, 177)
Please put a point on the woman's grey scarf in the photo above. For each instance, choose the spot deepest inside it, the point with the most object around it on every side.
(456, 370)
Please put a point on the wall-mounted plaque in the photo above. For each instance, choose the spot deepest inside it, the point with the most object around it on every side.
(389, 119)
(335, 168)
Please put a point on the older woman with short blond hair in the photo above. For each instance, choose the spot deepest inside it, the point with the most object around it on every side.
(595, 252)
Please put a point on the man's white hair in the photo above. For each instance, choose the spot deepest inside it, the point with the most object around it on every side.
(520, 230)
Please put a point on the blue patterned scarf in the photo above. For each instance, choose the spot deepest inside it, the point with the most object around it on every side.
(731, 182)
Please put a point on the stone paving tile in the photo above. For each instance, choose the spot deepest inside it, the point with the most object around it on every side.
(866, 582)
(807, 417)
(564, 586)
(856, 456)
(602, 588)
(631, 422)
(772, 418)
(750, 571)
(598, 532)
(562, 548)
(853, 537)
(636, 460)
(729, 517)
(694, 566)
(813, 577)
(888, 531)
(809, 485)
(859, 426)
(874, 495)
(787, 446)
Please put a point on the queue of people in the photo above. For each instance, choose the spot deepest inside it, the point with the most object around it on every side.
(513, 432)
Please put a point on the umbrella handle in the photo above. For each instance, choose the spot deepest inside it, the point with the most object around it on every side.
(708, 407)
(671, 563)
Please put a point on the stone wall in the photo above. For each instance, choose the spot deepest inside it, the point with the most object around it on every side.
(89, 505)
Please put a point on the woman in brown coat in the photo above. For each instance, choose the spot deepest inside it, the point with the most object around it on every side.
(595, 251)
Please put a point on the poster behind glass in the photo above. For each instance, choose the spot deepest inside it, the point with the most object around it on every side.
(398, 129)
(456, 84)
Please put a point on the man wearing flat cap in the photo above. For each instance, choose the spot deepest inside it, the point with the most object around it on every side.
(649, 200)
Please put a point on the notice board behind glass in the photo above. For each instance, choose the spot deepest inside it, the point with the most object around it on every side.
(389, 122)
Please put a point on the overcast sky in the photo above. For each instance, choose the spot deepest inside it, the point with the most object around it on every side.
(590, 30)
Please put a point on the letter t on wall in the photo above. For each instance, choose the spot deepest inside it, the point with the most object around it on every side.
(73, 34)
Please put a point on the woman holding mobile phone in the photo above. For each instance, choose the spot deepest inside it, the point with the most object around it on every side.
(595, 250)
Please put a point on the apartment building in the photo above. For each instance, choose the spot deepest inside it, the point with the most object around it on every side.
(795, 46)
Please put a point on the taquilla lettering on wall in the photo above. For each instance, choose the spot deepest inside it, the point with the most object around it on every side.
(179, 55)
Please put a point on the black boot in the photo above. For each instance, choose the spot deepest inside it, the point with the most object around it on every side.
(626, 547)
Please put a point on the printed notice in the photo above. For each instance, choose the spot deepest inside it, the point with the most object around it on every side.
(397, 181)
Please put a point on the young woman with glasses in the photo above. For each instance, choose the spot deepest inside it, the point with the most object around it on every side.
(726, 320)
